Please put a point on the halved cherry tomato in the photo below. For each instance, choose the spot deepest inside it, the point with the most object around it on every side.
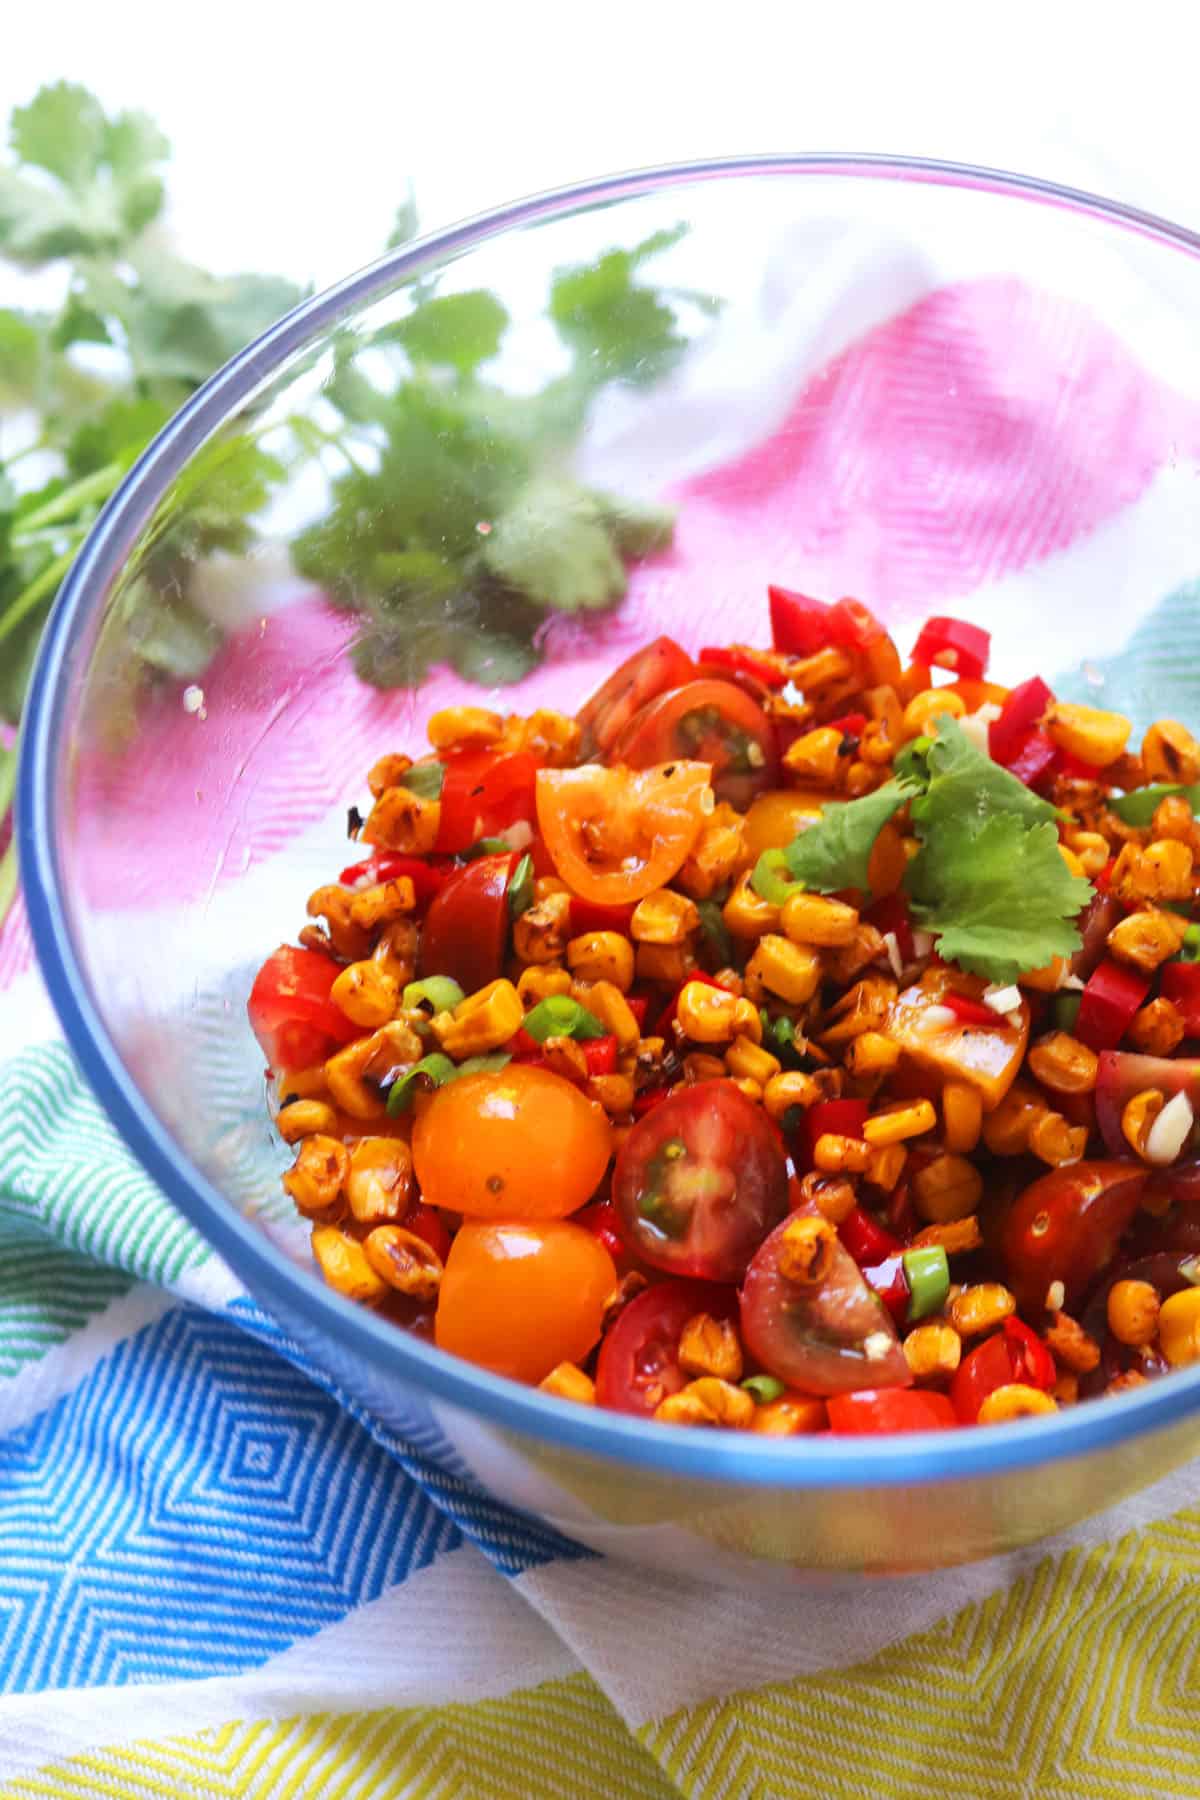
(638, 1365)
(853, 625)
(709, 721)
(1066, 1226)
(1034, 1364)
(1122, 1074)
(827, 1337)
(739, 659)
(427, 874)
(466, 928)
(290, 1012)
(871, 1411)
(521, 1297)
(482, 795)
(699, 1181)
(617, 834)
(661, 665)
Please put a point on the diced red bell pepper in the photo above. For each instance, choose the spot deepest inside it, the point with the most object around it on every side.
(891, 1284)
(799, 625)
(483, 793)
(602, 1220)
(648, 1099)
(971, 1012)
(600, 1055)
(738, 660)
(866, 1240)
(1181, 986)
(901, 1214)
(850, 725)
(639, 1006)
(1106, 1007)
(1074, 767)
(843, 1118)
(953, 644)
(1034, 761)
(892, 914)
(589, 915)
(853, 626)
(1101, 881)
(1033, 1362)
(1025, 707)
(428, 876)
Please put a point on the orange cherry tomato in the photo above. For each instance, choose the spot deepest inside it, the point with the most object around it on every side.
(779, 815)
(521, 1298)
(522, 1143)
(617, 834)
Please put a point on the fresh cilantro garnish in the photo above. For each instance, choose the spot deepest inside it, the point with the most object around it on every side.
(834, 852)
(965, 786)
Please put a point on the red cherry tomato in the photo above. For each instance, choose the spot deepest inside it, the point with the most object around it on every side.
(290, 1012)
(1122, 1074)
(826, 1338)
(1066, 1226)
(638, 1365)
(428, 876)
(853, 625)
(661, 665)
(482, 795)
(872, 1411)
(1031, 1359)
(700, 1181)
(466, 927)
(710, 722)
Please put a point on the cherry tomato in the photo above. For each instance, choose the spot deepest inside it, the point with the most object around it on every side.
(989, 1366)
(828, 1337)
(870, 1411)
(638, 1365)
(517, 1143)
(661, 665)
(1033, 1362)
(779, 815)
(616, 834)
(1122, 1074)
(290, 1012)
(1066, 1226)
(712, 722)
(700, 1181)
(520, 1298)
(466, 928)
(484, 792)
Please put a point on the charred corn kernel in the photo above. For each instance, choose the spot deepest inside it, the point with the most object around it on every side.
(378, 905)
(882, 707)
(947, 1188)
(379, 1184)
(747, 914)
(861, 778)
(807, 1249)
(1066, 1388)
(792, 1088)
(404, 1261)
(962, 1116)
(864, 1007)
(301, 1084)
(1138, 1117)
(1094, 736)
(700, 1066)
(1173, 819)
(366, 993)
(315, 1179)
(1171, 753)
(933, 1351)
(747, 1020)
(464, 725)
(538, 982)
(748, 1061)
(602, 956)
(401, 820)
(872, 1053)
(792, 971)
(789, 1416)
(1125, 1381)
(908, 1120)
(812, 919)
(1128, 882)
(614, 1092)
(1091, 850)
(549, 884)
(751, 1089)
(926, 708)
(612, 1009)
(709, 1346)
(343, 1262)
(1007, 1127)
(1157, 1029)
(719, 852)
(565, 1057)
(304, 1118)
(1072, 861)
(668, 964)
(1179, 1328)
(1071, 1345)
(835, 1154)
(957, 1237)
(832, 1195)
(396, 950)
(708, 1401)
(540, 933)
(1133, 1311)
(705, 1014)
(1165, 870)
(811, 673)
(664, 917)
(980, 1308)
(568, 1382)
(388, 772)
(879, 742)
(344, 1077)
(553, 737)
(1047, 980)
(481, 1022)
(1056, 1142)
(885, 1166)
(1146, 939)
(816, 757)
(332, 903)
(1064, 1065)
(1014, 1401)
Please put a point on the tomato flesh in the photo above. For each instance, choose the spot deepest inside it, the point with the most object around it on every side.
(466, 928)
(872, 1411)
(1066, 1226)
(290, 1012)
(1122, 1074)
(483, 794)
(661, 665)
(617, 834)
(1014, 1354)
(707, 721)
(520, 1297)
(638, 1366)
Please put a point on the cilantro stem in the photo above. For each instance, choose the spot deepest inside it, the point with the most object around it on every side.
(97, 486)
(37, 590)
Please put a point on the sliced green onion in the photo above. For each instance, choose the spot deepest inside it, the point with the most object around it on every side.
(435, 1069)
(484, 1065)
(438, 993)
(1190, 948)
(765, 1388)
(772, 880)
(425, 780)
(520, 888)
(928, 1276)
(716, 932)
(560, 1016)
(1189, 1268)
(783, 1033)
(1138, 808)
(1066, 1011)
(489, 846)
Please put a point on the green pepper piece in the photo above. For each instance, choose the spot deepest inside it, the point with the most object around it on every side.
(425, 780)
(560, 1016)
(765, 1388)
(435, 1068)
(1066, 1011)
(1138, 807)
(716, 932)
(437, 994)
(520, 887)
(928, 1275)
(772, 880)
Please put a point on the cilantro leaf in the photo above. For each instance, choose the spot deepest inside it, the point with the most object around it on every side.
(62, 130)
(996, 894)
(551, 544)
(834, 853)
(618, 328)
(965, 785)
(456, 331)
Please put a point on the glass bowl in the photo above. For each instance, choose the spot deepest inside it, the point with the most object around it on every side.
(934, 387)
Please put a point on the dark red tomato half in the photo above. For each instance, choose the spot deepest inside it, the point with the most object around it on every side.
(872, 1411)
(829, 1337)
(638, 1365)
(482, 795)
(1122, 1074)
(290, 1012)
(700, 1181)
(1066, 1227)
(466, 928)
(709, 722)
(661, 665)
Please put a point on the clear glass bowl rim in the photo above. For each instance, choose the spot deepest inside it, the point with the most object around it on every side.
(726, 1457)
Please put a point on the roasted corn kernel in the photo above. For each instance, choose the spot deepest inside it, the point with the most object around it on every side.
(816, 757)
(708, 1401)
(343, 1262)
(1007, 1127)
(1064, 1065)
(1165, 870)
(792, 1088)
(789, 1416)
(832, 1195)
(962, 1116)
(540, 981)
(614, 1092)
(540, 933)
(404, 1261)
(1139, 1116)
(790, 970)
(1014, 1401)
(947, 1188)
(908, 1119)
(980, 1308)
(748, 1061)
(664, 917)
(316, 1178)
(1179, 1328)
(612, 1009)
(379, 1185)
(456, 725)
(871, 1053)
(1056, 1142)
(1071, 1345)
(568, 1382)
(1170, 753)
(933, 1351)
(668, 964)
(812, 919)
(602, 956)
(1133, 1308)
(1157, 1028)
(366, 993)
(304, 1118)
(1146, 939)
(885, 1165)
(1094, 736)
(709, 1346)
(481, 1022)
(401, 820)
(835, 1154)
(379, 904)
(746, 913)
(705, 1013)
(926, 708)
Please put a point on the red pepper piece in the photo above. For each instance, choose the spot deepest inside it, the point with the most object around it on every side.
(1101, 881)
(648, 1099)
(1033, 1363)
(844, 1118)
(523, 1048)
(1034, 761)
(1075, 769)
(639, 1006)
(853, 626)
(601, 1219)
(600, 1055)
(891, 1284)
(1181, 985)
(953, 644)
(1025, 707)
(426, 1224)
(427, 876)
(737, 659)
(799, 625)
(1106, 1007)
(892, 914)
(866, 1240)
(971, 1012)
(850, 725)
